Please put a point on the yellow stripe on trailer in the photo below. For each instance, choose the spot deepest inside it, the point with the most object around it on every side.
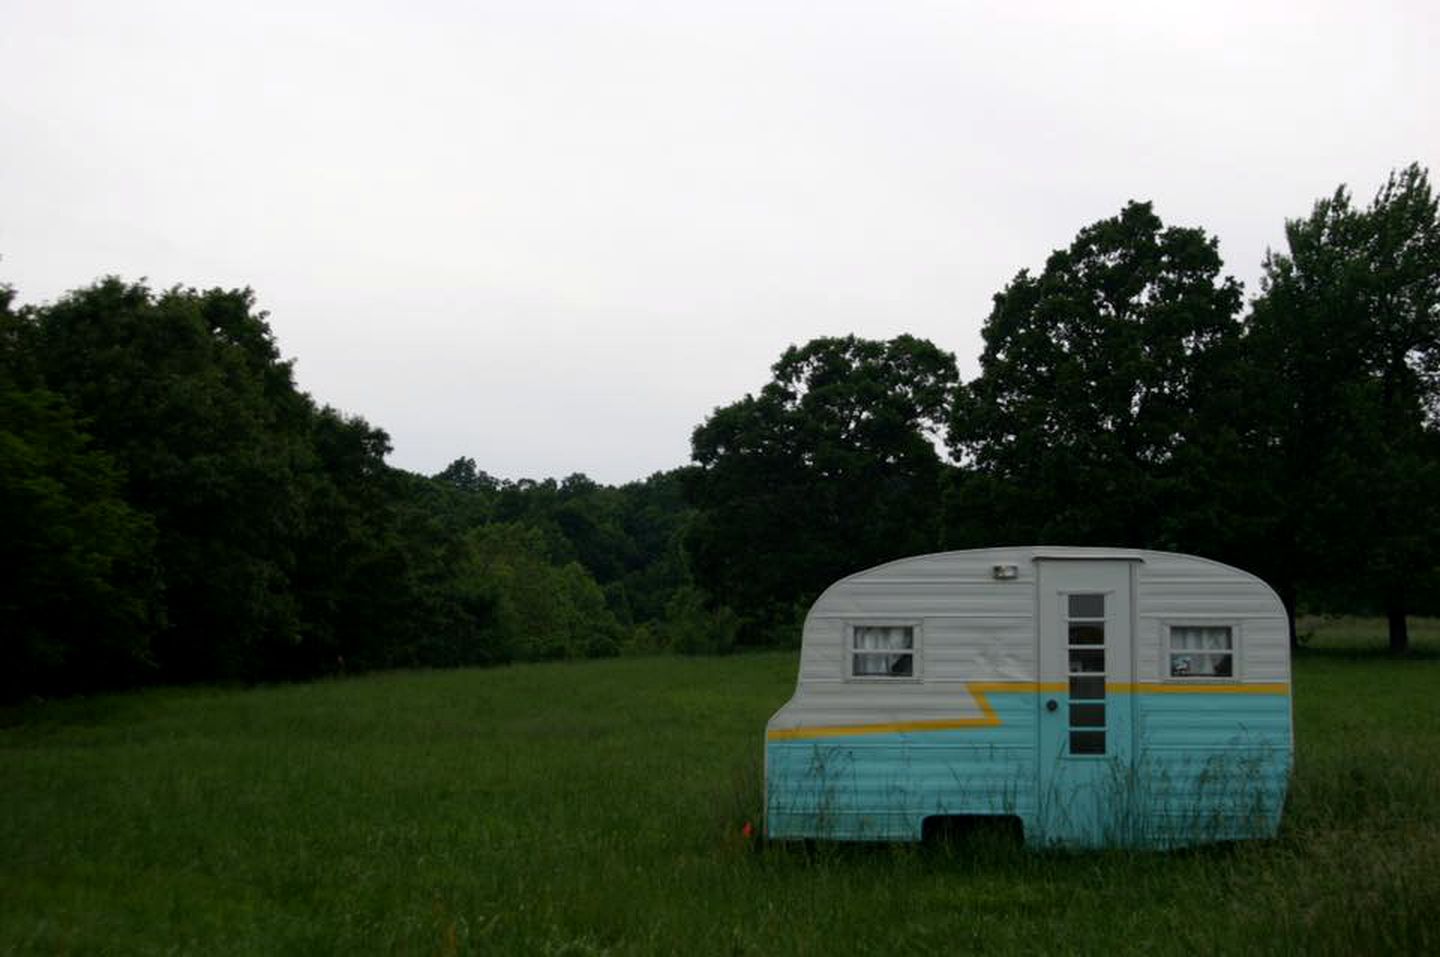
(989, 719)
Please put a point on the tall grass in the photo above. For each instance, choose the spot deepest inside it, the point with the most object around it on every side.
(597, 808)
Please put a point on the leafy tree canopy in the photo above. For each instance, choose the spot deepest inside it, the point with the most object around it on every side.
(832, 467)
(78, 595)
(1093, 376)
(1346, 339)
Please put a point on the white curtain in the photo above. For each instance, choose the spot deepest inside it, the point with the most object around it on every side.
(883, 637)
(871, 639)
(1203, 651)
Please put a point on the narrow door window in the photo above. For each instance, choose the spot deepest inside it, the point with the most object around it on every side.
(1085, 648)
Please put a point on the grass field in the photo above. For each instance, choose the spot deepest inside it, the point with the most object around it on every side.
(596, 808)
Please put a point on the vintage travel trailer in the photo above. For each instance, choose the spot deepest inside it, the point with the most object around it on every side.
(1098, 696)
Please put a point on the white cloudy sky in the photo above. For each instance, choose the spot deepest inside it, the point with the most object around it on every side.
(554, 236)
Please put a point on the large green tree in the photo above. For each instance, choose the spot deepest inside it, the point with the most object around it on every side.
(78, 602)
(1346, 339)
(1097, 375)
(176, 509)
(831, 468)
(186, 390)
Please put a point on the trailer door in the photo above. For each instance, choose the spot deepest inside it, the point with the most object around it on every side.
(1086, 654)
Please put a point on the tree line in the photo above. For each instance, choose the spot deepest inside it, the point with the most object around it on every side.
(176, 509)
(1126, 397)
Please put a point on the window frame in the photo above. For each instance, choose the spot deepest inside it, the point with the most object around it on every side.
(1088, 731)
(917, 660)
(1167, 650)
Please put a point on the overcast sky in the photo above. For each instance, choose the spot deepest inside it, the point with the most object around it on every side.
(555, 236)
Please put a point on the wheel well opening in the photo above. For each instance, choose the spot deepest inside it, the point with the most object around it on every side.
(971, 829)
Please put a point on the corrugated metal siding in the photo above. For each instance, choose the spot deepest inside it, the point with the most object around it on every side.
(1204, 721)
(938, 598)
(971, 565)
(822, 650)
(1181, 588)
(952, 650)
(1212, 767)
(877, 702)
(1206, 766)
(972, 626)
(883, 786)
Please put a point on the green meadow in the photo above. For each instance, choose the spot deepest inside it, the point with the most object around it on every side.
(597, 808)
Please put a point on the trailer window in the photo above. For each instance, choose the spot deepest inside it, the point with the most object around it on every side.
(882, 651)
(1085, 644)
(1202, 651)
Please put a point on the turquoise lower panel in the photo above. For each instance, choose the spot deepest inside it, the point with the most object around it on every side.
(881, 787)
(1209, 767)
(1193, 768)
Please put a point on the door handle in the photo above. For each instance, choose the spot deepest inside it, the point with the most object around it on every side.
(1051, 705)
